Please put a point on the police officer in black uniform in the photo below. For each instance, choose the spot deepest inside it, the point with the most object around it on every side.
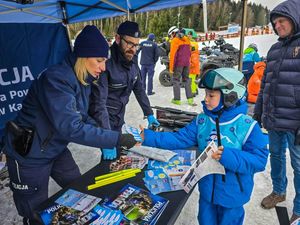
(149, 56)
(122, 76)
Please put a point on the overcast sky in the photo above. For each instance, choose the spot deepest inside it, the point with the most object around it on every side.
(269, 3)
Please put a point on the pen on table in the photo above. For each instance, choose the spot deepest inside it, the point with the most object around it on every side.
(116, 173)
(115, 177)
(100, 184)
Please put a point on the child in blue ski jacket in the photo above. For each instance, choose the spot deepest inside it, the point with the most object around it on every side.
(242, 152)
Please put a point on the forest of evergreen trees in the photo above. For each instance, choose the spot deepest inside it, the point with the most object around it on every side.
(220, 13)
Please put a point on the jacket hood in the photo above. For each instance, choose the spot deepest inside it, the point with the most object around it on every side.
(260, 65)
(249, 50)
(184, 40)
(289, 9)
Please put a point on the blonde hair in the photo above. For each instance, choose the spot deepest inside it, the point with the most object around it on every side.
(81, 70)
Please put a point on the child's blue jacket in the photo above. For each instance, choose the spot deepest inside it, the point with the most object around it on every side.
(240, 164)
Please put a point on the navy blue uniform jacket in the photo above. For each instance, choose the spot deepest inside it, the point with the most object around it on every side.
(56, 108)
(110, 97)
(149, 52)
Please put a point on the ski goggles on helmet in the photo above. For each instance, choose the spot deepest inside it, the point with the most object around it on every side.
(214, 81)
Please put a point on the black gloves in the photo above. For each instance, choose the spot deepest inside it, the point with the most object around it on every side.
(127, 141)
(257, 118)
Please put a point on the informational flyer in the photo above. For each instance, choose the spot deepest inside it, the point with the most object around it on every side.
(203, 166)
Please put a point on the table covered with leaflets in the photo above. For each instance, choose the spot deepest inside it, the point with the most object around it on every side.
(176, 199)
(136, 198)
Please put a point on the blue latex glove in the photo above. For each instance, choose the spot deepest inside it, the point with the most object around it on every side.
(152, 121)
(109, 153)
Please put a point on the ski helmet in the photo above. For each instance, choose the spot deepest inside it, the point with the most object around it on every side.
(254, 46)
(173, 29)
(229, 81)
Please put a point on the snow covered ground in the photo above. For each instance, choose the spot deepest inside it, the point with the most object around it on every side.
(88, 157)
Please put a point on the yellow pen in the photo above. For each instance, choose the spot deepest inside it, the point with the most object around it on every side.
(115, 173)
(114, 177)
(93, 186)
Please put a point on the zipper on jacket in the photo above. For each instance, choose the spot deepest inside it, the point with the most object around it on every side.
(213, 190)
(239, 181)
(47, 140)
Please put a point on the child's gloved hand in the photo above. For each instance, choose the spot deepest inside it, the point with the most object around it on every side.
(109, 153)
(127, 141)
(152, 121)
(218, 154)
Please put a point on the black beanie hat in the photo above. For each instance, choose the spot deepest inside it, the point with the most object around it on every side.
(129, 28)
(91, 43)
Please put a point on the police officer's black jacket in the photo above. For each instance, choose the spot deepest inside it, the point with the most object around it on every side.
(110, 97)
(149, 52)
(56, 109)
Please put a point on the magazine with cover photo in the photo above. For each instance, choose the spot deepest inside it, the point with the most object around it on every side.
(138, 205)
(78, 200)
(59, 214)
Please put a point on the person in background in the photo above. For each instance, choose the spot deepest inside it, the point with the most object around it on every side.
(54, 113)
(165, 46)
(250, 57)
(242, 152)
(179, 65)
(254, 84)
(121, 77)
(194, 65)
(149, 56)
(251, 53)
(278, 104)
(109, 41)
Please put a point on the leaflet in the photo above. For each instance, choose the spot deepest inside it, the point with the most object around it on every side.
(203, 166)
(182, 157)
(164, 179)
(153, 153)
(127, 129)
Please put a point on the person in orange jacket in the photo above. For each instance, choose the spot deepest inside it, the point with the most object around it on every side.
(254, 85)
(194, 66)
(179, 64)
(255, 81)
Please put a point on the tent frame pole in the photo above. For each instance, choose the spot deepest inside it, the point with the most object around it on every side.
(242, 37)
(66, 22)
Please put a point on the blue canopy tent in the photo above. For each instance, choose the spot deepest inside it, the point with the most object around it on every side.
(33, 36)
(73, 11)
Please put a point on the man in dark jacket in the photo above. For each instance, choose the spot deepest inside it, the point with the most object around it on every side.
(122, 76)
(149, 56)
(278, 103)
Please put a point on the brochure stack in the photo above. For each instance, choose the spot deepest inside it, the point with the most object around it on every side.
(165, 176)
(138, 205)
